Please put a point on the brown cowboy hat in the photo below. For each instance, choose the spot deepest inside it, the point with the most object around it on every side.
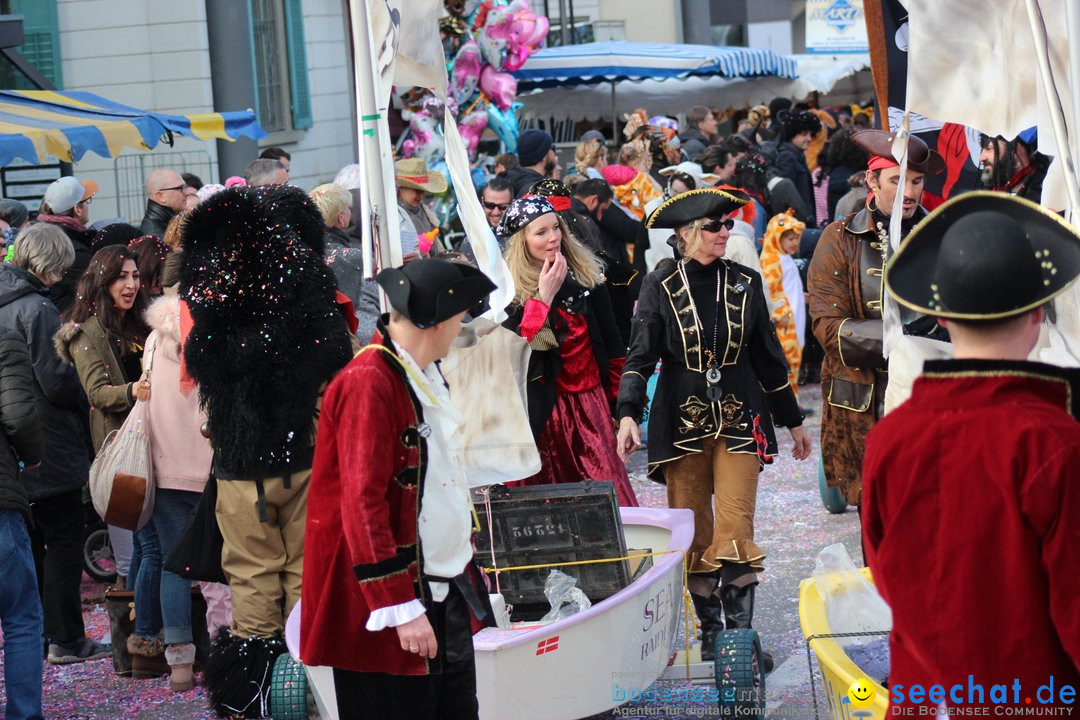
(414, 173)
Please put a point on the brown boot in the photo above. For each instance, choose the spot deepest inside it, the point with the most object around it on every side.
(181, 658)
(147, 656)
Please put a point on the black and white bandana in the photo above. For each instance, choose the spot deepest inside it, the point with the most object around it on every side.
(520, 213)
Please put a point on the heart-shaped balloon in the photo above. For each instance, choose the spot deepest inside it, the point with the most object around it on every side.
(500, 87)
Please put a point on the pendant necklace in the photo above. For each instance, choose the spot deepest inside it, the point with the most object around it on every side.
(713, 391)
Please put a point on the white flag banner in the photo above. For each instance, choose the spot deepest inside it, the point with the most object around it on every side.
(1003, 66)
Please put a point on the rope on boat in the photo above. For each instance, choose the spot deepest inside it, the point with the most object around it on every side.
(687, 600)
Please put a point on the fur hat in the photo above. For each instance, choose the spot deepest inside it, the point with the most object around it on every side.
(794, 123)
(267, 332)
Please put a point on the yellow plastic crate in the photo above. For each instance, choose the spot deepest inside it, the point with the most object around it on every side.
(837, 670)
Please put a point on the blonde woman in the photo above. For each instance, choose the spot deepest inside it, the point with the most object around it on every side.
(562, 309)
(723, 379)
(590, 157)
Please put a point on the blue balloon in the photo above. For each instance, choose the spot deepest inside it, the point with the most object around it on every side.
(504, 124)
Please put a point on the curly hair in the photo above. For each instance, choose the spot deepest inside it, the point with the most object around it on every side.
(587, 153)
(843, 152)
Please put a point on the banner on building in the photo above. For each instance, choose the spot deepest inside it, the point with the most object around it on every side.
(887, 34)
(835, 26)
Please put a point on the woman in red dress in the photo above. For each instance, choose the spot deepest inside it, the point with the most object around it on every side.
(562, 309)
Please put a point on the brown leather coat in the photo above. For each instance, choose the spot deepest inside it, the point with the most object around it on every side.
(845, 285)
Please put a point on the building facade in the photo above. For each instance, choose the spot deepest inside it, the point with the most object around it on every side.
(158, 55)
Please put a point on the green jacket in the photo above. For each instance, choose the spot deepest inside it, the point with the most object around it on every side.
(86, 346)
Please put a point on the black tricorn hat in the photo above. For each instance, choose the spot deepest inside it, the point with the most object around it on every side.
(429, 291)
(689, 206)
(920, 157)
(984, 256)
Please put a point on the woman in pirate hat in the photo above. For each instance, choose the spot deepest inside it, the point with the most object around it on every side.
(723, 379)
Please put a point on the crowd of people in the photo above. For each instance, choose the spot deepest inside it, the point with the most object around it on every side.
(740, 268)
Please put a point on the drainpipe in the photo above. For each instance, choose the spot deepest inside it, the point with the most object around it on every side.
(228, 27)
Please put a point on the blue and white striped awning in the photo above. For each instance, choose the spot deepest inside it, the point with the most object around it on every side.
(35, 124)
(594, 63)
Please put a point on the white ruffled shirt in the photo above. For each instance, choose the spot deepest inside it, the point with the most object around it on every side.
(445, 522)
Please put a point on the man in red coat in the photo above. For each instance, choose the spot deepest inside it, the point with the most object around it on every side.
(391, 596)
(971, 505)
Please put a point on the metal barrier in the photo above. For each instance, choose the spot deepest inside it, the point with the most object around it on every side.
(130, 171)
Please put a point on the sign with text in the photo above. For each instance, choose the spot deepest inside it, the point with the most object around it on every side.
(835, 26)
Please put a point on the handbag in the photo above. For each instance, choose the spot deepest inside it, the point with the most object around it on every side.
(122, 474)
(198, 554)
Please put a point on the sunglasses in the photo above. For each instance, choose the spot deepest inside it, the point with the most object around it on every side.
(501, 207)
(715, 225)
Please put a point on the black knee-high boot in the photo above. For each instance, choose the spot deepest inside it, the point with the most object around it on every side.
(710, 613)
(738, 604)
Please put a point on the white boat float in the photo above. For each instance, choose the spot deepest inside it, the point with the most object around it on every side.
(570, 668)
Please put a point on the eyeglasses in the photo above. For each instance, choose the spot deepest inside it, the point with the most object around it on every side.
(181, 188)
(501, 207)
(87, 201)
(715, 225)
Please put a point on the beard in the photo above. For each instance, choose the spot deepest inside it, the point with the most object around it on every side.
(549, 167)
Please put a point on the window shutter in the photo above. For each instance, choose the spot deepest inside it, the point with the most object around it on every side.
(299, 87)
(41, 40)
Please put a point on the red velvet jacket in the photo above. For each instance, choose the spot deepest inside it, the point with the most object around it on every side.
(971, 525)
(361, 549)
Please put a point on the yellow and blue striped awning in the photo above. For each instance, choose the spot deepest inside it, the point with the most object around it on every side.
(35, 124)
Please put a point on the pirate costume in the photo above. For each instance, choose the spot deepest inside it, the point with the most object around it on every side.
(723, 379)
(389, 520)
(577, 357)
(971, 509)
(844, 282)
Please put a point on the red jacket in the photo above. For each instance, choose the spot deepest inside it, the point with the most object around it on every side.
(971, 525)
(361, 543)
(361, 550)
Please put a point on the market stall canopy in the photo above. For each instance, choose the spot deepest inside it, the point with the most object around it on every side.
(605, 62)
(823, 74)
(35, 124)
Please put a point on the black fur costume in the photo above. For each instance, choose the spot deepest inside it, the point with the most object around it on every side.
(267, 335)
(267, 331)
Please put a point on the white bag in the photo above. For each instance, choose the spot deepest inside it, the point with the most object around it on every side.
(486, 370)
(122, 475)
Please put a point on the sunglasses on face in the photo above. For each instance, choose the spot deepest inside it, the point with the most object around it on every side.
(714, 225)
(501, 207)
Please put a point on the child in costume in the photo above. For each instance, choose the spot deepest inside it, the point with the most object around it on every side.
(786, 287)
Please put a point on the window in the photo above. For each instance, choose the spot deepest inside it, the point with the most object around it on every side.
(41, 43)
(282, 97)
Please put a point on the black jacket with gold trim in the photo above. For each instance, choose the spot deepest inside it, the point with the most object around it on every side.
(677, 328)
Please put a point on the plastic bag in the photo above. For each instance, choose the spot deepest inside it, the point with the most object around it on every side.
(852, 603)
(565, 596)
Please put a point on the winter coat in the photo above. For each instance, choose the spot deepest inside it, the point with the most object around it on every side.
(61, 404)
(63, 292)
(156, 219)
(21, 437)
(182, 456)
(693, 143)
(522, 178)
(791, 163)
(87, 347)
(346, 259)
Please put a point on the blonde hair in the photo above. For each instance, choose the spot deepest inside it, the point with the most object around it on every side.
(332, 200)
(690, 248)
(526, 272)
(174, 231)
(587, 153)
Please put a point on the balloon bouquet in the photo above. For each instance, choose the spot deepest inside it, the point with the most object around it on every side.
(484, 41)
